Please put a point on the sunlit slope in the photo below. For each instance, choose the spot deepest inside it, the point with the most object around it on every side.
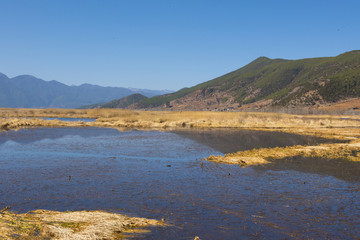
(281, 82)
(118, 103)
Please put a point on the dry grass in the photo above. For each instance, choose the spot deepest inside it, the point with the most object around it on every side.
(348, 151)
(17, 123)
(327, 126)
(26, 112)
(352, 103)
(42, 224)
(324, 125)
(62, 113)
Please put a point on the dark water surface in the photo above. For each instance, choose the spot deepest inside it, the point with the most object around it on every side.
(159, 175)
(230, 140)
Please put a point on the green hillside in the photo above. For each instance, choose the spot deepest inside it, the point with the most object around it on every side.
(118, 103)
(124, 102)
(304, 81)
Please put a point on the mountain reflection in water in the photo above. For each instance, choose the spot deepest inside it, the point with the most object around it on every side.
(233, 140)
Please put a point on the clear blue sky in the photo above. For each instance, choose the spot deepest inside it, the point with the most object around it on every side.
(165, 44)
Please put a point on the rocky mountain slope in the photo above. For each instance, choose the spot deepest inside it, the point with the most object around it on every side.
(30, 92)
(271, 83)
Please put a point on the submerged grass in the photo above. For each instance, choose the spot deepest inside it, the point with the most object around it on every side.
(42, 224)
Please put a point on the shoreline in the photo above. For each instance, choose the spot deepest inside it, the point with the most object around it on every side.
(339, 127)
(44, 224)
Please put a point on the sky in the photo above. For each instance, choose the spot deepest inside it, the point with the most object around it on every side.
(166, 44)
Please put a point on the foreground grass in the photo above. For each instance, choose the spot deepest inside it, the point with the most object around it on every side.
(42, 224)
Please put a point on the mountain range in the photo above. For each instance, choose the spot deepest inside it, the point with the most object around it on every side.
(271, 83)
(264, 84)
(27, 91)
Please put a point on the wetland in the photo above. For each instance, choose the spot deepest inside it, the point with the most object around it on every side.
(158, 174)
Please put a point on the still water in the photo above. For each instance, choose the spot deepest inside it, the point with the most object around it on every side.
(159, 175)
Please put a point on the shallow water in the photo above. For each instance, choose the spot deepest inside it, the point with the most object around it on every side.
(159, 175)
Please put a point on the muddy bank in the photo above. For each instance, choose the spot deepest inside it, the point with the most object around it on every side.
(43, 224)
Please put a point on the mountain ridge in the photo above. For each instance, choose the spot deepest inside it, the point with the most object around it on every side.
(121, 103)
(269, 83)
(27, 91)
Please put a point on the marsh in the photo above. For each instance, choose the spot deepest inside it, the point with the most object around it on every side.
(159, 174)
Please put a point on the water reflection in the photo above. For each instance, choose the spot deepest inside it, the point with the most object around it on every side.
(233, 140)
(341, 169)
(32, 135)
(159, 175)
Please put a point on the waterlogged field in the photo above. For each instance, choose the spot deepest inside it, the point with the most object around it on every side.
(161, 175)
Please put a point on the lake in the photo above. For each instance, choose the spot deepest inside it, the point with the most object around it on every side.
(157, 174)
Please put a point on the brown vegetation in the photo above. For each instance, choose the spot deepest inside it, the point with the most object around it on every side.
(329, 126)
(16, 123)
(50, 112)
(350, 152)
(352, 103)
(42, 224)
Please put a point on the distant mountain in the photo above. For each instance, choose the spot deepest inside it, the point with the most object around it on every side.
(118, 103)
(267, 83)
(30, 92)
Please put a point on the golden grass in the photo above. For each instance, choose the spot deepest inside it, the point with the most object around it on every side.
(42, 224)
(339, 127)
(348, 151)
(16, 123)
(327, 126)
(51, 112)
